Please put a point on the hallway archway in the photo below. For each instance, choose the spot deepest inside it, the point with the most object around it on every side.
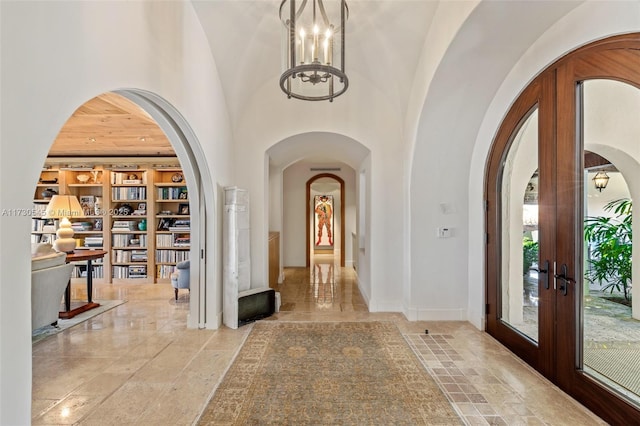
(308, 214)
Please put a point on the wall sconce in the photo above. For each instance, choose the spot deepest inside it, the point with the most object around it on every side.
(601, 180)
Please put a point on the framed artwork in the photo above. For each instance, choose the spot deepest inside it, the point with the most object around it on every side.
(323, 220)
(164, 224)
(87, 202)
(183, 209)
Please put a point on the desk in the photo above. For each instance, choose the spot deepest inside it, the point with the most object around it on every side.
(79, 256)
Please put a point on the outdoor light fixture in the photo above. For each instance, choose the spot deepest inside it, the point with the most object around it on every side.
(313, 50)
(601, 180)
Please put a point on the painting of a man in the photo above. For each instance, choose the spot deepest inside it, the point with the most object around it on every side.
(324, 217)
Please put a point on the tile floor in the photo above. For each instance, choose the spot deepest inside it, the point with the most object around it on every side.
(138, 364)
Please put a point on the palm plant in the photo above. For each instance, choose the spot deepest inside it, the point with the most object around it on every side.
(611, 247)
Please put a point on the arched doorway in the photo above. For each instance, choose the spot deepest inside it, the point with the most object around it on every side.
(540, 302)
(158, 118)
(318, 221)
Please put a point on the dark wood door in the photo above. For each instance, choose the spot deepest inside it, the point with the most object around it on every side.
(521, 175)
(551, 113)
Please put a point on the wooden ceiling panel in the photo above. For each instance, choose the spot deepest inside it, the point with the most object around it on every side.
(110, 125)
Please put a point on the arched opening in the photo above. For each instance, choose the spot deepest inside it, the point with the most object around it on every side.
(322, 221)
(133, 134)
(578, 118)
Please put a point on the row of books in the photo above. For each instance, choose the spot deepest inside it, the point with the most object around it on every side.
(171, 256)
(131, 271)
(173, 193)
(164, 271)
(81, 226)
(132, 177)
(93, 241)
(126, 256)
(80, 271)
(43, 238)
(124, 225)
(173, 240)
(180, 225)
(44, 225)
(181, 240)
(129, 193)
(130, 240)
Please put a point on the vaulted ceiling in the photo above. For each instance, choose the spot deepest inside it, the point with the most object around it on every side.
(384, 43)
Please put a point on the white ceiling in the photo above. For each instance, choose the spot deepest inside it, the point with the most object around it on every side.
(384, 41)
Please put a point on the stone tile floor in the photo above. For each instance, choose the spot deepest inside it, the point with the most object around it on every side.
(138, 364)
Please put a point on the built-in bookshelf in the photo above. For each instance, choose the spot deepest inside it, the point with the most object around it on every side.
(172, 221)
(138, 212)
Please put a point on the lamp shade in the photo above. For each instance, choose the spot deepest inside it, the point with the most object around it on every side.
(63, 207)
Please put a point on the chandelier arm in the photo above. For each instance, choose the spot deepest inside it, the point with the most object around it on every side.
(302, 6)
(323, 13)
(292, 31)
(342, 30)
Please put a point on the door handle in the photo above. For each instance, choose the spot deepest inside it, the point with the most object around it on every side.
(565, 280)
(544, 271)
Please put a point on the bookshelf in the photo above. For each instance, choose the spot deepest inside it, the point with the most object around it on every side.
(172, 221)
(138, 212)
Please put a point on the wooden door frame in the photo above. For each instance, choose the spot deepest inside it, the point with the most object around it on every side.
(603, 59)
(606, 59)
(539, 94)
(308, 213)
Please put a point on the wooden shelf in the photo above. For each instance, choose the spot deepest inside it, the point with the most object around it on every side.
(154, 180)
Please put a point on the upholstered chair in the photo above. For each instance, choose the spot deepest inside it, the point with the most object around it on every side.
(180, 277)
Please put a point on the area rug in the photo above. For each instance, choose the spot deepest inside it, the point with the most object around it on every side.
(333, 373)
(63, 324)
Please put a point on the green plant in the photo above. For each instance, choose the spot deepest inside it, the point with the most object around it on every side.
(611, 245)
(529, 253)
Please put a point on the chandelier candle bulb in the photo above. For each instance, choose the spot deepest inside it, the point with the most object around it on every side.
(302, 36)
(326, 51)
(315, 44)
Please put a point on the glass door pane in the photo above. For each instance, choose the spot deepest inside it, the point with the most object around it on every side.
(610, 334)
(519, 292)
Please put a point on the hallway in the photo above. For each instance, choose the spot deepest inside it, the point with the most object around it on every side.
(138, 364)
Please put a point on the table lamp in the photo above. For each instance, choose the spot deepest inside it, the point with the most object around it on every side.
(63, 207)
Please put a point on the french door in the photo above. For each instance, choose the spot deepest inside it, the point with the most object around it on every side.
(559, 250)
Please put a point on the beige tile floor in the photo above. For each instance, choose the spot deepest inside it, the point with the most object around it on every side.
(138, 364)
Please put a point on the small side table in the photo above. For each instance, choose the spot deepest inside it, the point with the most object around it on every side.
(78, 256)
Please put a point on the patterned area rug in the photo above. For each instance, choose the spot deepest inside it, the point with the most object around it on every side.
(307, 373)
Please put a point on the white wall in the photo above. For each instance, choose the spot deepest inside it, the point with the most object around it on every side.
(374, 125)
(55, 56)
(479, 57)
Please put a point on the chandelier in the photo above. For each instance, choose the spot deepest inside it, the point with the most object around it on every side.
(313, 51)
